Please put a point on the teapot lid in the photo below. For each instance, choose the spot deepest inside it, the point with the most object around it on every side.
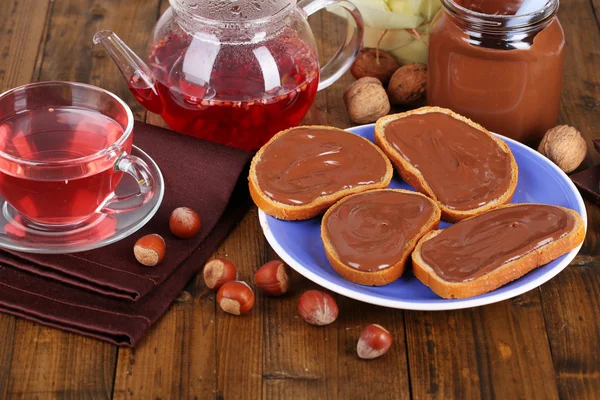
(231, 11)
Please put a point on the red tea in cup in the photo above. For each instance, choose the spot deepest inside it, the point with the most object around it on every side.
(63, 150)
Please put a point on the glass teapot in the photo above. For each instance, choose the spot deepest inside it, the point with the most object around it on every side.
(233, 71)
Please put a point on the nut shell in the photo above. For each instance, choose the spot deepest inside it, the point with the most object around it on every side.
(184, 222)
(564, 146)
(317, 307)
(235, 298)
(273, 278)
(407, 85)
(217, 272)
(149, 250)
(366, 100)
(374, 342)
(368, 63)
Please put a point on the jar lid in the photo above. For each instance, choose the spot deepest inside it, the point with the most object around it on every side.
(511, 14)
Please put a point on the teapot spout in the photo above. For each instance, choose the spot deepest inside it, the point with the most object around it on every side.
(136, 72)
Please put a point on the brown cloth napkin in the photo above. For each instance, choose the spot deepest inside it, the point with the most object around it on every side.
(105, 293)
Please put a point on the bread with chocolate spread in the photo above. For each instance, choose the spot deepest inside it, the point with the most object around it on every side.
(302, 171)
(369, 236)
(449, 158)
(482, 253)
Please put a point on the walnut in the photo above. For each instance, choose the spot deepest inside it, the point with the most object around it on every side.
(366, 100)
(375, 63)
(564, 146)
(407, 85)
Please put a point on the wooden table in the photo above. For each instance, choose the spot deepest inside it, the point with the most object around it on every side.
(543, 344)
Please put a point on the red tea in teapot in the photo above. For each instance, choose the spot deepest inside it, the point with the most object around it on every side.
(226, 93)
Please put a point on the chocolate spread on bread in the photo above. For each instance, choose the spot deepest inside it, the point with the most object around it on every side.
(464, 166)
(306, 163)
(370, 231)
(477, 246)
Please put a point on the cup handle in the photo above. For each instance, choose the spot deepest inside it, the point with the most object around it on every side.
(139, 170)
(346, 54)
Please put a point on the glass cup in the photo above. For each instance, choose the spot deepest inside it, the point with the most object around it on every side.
(64, 148)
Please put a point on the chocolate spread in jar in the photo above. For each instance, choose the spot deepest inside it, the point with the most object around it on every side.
(369, 231)
(464, 167)
(507, 79)
(477, 246)
(306, 163)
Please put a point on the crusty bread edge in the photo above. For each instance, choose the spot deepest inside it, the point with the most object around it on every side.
(502, 275)
(387, 275)
(413, 176)
(305, 211)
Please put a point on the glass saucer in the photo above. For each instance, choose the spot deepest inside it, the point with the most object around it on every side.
(98, 231)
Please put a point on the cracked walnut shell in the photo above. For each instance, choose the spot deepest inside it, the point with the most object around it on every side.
(366, 100)
(564, 146)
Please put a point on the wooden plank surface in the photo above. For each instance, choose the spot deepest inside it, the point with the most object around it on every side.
(487, 352)
(544, 344)
(21, 34)
(571, 301)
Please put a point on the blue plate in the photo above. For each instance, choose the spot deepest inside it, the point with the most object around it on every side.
(299, 244)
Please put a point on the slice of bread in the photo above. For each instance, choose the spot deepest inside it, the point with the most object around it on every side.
(415, 178)
(391, 273)
(320, 204)
(502, 275)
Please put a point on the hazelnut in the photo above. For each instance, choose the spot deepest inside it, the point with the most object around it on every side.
(564, 146)
(273, 278)
(366, 100)
(407, 85)
(149, 250)
(184, 222)
(317, 308)
(374, 341)
(235, 297)
(375, 63)
(217, 272)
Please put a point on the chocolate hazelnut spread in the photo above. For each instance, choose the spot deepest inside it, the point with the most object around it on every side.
(369, 231)
(464, 167)
(477, 246)
(306, 163)
(498, 66)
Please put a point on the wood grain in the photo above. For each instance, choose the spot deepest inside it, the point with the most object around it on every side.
(176, 358)
(571, 300)
(571, 306)
(487, 352)
(71, 55)
(22, 25)
(371, 379)
(48, 362)
(300, 360)
(21, 34)
(7, 330)
(239, 339)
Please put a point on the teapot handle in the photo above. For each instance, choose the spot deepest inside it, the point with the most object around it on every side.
(346, 54)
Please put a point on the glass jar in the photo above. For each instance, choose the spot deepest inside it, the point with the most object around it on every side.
(499, 63)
